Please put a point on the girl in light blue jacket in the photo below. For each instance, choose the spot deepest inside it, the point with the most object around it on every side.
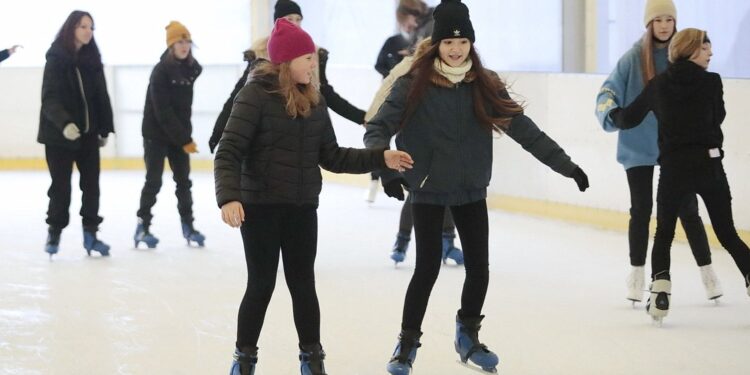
(637, 148)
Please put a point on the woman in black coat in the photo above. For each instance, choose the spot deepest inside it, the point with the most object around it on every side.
(75, 120)
(167, 133)
(267, 174)
(688, 103)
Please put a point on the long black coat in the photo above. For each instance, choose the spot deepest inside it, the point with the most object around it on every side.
(66, 99)
(169, 101)
(267, 157)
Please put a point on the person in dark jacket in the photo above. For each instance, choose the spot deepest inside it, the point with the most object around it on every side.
(268, 179)
(637, 149)
(688, 103)
(433, 113)
(75, 121)
(399, 46)
(290, 11)
(167, 133)
(4, 54)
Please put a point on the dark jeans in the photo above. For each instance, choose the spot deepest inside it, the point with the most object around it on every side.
(60, 162)
(473, 228)
(677, 183)
(294, 230)
(406, 222)
(179, 161)
(640, 181)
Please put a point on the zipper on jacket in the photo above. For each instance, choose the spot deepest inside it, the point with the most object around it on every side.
(85, 103)
(421, 185)
(458, 133)
(301, 160)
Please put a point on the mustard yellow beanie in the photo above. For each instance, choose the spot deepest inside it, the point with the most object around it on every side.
(176, 32)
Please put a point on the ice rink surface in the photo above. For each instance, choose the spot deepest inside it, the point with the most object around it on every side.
(555, 303)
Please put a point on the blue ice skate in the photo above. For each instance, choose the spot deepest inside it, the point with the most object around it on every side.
(244, 362)
(53, 242)
(405, 353)
(192, 235)
(311, 359)
(91, 243)
(142, 234)
(468, 346)
(398, 254)
(450, 251)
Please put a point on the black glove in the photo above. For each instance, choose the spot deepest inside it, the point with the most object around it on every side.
(615, 116)
(394, 189)
(580, 178)
(322, 61)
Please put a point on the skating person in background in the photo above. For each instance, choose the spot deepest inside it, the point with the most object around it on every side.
(167, 133)
(637, 149)
(268, 181)
(75, 121)
(251, 58)
(4, 54)
(688, 103)
(406, 223)
(437, 98)
(409, 13)
(291, 11)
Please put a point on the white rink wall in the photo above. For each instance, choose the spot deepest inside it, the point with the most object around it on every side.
(561, 104)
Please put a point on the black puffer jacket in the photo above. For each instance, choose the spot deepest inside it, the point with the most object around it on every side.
(267, 157)
(169, 101)
(66, 99)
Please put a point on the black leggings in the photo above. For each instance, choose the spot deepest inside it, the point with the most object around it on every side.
(294, 230)
(473, 228)
(682, 181)
(406, 223)
(641, 181)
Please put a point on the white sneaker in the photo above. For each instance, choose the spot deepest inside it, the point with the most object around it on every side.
(372, 191)
(711, 282)
(636, 284)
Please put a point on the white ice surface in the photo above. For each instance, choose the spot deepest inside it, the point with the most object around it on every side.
(555, 303)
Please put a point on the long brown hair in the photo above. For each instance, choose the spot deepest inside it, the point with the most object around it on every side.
(298, 99)
(492, 107)
(648, 67)
(88, 54)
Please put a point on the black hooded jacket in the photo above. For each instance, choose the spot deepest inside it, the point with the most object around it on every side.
(169, 101)
(688, 103)
(73, 92)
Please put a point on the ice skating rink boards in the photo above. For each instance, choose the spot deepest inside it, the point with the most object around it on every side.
(555, 303)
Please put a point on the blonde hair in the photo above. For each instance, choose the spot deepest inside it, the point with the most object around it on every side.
(686, 43)
(298, 99)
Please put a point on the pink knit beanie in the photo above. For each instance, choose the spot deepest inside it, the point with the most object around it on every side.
(287, 42)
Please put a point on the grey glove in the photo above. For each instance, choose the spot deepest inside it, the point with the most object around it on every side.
(71, 132)
(103, 141)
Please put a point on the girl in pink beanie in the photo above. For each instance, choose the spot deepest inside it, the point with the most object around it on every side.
(267, 173)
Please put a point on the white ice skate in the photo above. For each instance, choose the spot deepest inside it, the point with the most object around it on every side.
(711, 283)
(659, 300)
(372, 191)
(636, 284)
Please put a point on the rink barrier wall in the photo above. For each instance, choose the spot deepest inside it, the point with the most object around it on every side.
(561, 104)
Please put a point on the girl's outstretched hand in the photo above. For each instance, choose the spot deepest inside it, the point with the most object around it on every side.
(398, 160)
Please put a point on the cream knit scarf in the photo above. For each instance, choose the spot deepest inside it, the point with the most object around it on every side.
(454, 74)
